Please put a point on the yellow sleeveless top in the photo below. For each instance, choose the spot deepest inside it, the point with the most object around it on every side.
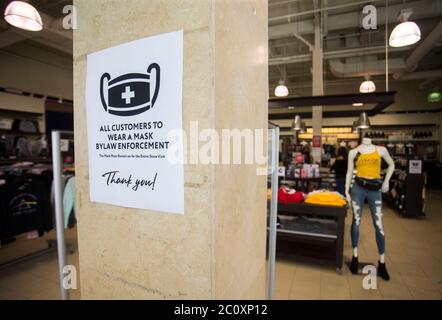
(369, 165)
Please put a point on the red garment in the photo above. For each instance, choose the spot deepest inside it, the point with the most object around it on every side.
(287, 196)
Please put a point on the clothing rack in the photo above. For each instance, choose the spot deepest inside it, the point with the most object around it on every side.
(60, 244)
(51, 244)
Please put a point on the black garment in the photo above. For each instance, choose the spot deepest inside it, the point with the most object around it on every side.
(340, 167)
(23, 147)
(24, 125)
(305, 225)
(25, 205)
(6, 146)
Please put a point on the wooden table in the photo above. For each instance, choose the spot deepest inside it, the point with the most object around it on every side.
(333, 219)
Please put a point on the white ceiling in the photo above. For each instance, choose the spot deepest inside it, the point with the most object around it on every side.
(349, 51)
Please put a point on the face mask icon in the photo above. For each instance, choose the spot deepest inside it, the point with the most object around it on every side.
(129, 94)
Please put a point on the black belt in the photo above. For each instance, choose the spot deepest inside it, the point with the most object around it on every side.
(370, 184)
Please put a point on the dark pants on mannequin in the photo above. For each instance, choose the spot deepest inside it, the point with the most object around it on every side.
(374, 198)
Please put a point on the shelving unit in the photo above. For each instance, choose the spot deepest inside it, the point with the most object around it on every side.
(407, 189)
(15, 160)
(19, 133)
(403, 140)
(302, 184)
(20, 114)
(417, 134)
(11, 156)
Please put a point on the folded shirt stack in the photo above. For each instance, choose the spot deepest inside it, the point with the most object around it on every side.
(326, 198)
(287, 195)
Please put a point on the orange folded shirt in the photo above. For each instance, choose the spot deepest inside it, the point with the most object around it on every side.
(326, 199)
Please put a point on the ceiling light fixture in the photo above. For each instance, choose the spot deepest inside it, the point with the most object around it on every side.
(297, 123)
(367, 86)
(363, 122)
(23, 15)
(357, 104)
(281, 90)
(434, 96)
(405, 33)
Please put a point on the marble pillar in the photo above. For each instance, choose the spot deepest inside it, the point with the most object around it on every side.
(216, 249)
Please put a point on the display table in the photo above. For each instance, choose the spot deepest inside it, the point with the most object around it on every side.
(316, 226)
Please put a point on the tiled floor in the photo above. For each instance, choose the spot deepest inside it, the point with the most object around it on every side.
(413, 256)
(36, 279)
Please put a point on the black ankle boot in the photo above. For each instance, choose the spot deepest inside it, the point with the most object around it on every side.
(382, 271)
(354, 267)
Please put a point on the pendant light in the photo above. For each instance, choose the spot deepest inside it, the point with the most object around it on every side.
(405, 33)
(23, 15)
(281, 90)
(367, 86)
(363, 122)
(434, 96)
(297, 123)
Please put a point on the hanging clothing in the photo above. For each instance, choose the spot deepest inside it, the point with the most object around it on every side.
(28, 126)
(368, 165)
(304, 224)
(6, 146)
(69, 201)
(24, 204)
(24, 147)
(400, 149)
(391, 148)
(409, 147)
(326, 198)
(374, 199)
(64, 179)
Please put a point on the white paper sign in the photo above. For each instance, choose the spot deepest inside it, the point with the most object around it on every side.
(133, 100)
(415, 166)
(64, 145)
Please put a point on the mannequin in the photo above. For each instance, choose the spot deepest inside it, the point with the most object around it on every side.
(368, 165)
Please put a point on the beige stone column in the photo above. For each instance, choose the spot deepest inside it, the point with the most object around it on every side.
(217, 248)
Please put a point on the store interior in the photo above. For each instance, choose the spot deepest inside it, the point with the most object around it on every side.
(338, 81)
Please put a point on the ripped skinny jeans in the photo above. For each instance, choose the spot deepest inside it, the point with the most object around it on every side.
(374, 199)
